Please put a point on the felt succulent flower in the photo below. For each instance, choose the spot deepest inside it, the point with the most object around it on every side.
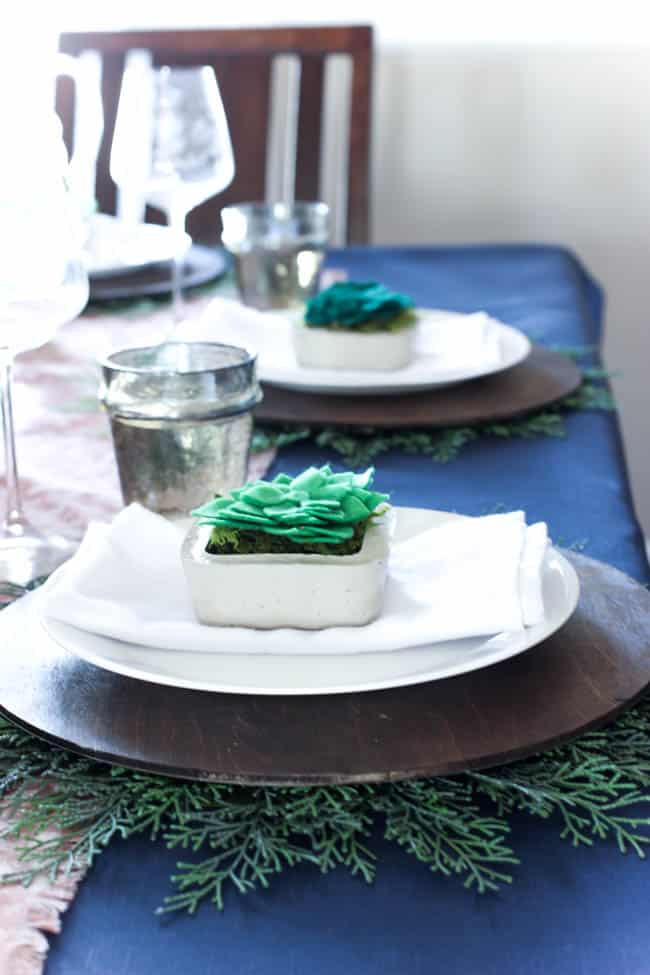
(317, 506)
(359, 305)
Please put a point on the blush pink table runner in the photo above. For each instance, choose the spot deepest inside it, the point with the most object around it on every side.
(68, 478)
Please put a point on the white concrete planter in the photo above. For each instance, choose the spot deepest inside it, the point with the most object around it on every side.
(324, 348)
(275, 590)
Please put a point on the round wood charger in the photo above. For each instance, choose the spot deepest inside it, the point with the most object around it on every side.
(543, 378)
(591, 669)
(201, 265)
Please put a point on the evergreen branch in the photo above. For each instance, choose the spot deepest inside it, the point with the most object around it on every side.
(266, 437)
(257, 832)
(437, 822)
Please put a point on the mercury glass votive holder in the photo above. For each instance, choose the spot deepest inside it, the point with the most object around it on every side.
(278, 250)
(181, 420)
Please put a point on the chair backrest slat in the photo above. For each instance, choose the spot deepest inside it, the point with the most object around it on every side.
(243, 62)
(281, 149)
(335, 142)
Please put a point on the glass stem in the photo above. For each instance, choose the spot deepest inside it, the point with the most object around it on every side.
(14, 521)
(176, 220)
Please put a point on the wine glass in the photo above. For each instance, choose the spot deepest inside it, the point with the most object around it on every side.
(43, 285)
(171, 145)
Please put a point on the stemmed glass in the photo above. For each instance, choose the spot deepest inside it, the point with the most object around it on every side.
(171, 145)
(43, 285)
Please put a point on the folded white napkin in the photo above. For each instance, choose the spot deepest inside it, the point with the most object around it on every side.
(454, 341)
(446, 341)
(468, 577)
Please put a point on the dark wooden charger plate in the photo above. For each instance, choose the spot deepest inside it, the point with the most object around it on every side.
(543, 378)
(592, 668)
(202, 264)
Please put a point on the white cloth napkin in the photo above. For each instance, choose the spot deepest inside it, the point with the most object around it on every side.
(454, 341)
(468, 577)
(446, 341)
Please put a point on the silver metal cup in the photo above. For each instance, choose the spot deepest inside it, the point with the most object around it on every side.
(181, 421)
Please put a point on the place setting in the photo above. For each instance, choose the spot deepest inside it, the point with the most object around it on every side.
(458, 369)
(359, 353)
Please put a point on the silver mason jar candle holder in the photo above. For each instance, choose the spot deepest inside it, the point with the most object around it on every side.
(181, 421)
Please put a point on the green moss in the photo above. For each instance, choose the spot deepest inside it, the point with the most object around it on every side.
(234, 541)
(404, 320)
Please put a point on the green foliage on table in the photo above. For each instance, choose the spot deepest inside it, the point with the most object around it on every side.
(235, 838)
(360, 446)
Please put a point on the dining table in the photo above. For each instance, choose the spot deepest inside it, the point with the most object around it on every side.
(568, 909)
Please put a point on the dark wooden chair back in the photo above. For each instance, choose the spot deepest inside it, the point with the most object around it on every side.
(243, 61)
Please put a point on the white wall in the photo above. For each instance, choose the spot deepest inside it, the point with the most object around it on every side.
(512, 143)
(502, 120)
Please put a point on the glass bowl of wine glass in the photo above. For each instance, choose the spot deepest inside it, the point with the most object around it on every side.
(171, 146)
(43, 285)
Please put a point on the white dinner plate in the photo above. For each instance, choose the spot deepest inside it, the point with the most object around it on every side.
(114, 247)
(277, 364)
(321, 673)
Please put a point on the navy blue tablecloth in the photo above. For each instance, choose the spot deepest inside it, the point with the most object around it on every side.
(568, 911)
